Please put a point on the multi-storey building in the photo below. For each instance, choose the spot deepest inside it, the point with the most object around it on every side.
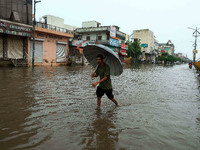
(51, 42)
(92, 32)
(15, 30)
(147, 40)
(167, 47)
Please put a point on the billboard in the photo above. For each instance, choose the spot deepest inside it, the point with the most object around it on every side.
(112, 31)
(114, 42)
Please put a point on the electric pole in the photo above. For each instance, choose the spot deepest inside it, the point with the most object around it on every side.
(196, 33)
(34, 24)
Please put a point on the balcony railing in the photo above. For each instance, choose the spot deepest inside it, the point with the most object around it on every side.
(54, 28)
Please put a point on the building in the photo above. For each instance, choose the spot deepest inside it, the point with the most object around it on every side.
(51, 44)
(157, 50)
(57, 21)
(93, 33)
(147, 40)
(15, 31)
(167, 47)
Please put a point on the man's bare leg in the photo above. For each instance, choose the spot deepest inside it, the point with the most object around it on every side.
(99, 101)
(114, 101)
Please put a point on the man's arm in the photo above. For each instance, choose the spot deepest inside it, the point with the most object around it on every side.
(95, 84)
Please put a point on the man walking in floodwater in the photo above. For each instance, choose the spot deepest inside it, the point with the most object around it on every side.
(105, 85)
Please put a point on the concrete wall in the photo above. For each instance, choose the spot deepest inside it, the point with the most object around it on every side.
(59, 22)
(19, 7)
(87, 24)
(94, 36)
(147, 37)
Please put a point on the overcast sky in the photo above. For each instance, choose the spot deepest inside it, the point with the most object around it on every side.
(168, 19)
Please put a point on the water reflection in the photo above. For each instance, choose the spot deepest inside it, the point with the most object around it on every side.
(102, 134)
(54, 108)
(14, 105)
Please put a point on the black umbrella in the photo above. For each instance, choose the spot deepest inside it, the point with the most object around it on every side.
(91, 51)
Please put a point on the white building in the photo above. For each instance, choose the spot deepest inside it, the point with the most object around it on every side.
(58, 22)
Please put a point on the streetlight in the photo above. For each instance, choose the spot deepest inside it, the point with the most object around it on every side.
(34, 23)
(196, 33)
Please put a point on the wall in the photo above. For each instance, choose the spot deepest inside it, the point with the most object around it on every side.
(88, 24)
(59, 22)
(146, 36)
(7, 6)
(49, 46)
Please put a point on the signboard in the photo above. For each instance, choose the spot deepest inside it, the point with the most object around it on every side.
(195, 51)
(79, 43)
(15, 29)
(123, 46)
(144, 45)
(167, 48)
(123, 52)
(114, 42)
(112, 31)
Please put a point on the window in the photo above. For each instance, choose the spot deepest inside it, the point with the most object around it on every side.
(88, 38)
(99, 38)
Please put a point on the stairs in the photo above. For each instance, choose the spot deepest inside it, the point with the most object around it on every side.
(19, 62)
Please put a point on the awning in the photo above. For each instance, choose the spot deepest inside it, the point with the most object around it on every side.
(123, 53)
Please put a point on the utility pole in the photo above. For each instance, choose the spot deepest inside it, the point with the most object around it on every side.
(196, 33)
(129, 43)
(34, 24)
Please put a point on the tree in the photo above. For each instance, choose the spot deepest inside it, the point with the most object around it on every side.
(169, 58)
(134, 49)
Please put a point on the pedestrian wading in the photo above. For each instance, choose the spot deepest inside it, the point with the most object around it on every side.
(105, 85)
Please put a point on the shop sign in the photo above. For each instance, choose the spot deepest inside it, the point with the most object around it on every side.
(114, 42)
(123, 46)
(123, 50)
(144, 45)
(79, 43)
(14, 29)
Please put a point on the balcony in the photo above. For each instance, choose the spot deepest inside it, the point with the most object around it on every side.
(53, 28)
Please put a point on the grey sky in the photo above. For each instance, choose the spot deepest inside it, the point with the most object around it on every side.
(167, 19)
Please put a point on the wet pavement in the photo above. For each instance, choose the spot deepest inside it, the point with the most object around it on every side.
(55, 108)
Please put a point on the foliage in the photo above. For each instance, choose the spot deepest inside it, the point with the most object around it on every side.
(134, 49)
(166, 57)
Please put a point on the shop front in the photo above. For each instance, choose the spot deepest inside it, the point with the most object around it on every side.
(14, 39)
(51, 47)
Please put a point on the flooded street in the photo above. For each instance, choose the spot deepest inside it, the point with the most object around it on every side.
(54, 108)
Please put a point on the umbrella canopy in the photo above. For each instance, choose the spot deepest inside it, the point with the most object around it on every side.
(110, 58)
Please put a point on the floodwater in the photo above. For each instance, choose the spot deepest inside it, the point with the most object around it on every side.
(54, 108)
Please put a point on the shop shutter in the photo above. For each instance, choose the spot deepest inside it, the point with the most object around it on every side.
(1, 46)
(38, 55)
(15, 47)
(60, 52)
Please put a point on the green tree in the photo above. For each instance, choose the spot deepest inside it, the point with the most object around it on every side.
(134, 50)
(169, 58)
(163, 57)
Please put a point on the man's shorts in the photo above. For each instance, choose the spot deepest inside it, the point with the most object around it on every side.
(100, 92)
